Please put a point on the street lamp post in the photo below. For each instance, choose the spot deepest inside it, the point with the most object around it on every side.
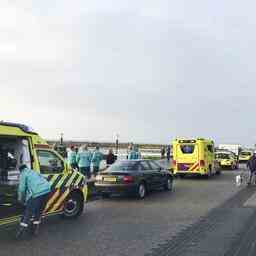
(117, 142)
(61, 139)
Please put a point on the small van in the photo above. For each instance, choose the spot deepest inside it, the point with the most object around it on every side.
(193, 156)
(19, 144)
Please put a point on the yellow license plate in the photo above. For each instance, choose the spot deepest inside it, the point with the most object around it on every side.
(110, 179)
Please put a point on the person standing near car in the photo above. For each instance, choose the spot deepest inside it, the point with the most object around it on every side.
(168, 153)
(162, 152)
(137, 151)
(111, 158)
(132, 155)
(72, 158)
(33, 192)
(83, 160)
(251, 165)
(97, 157)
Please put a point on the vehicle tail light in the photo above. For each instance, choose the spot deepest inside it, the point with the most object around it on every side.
(128, 179)
(174, 162)
(202, 163)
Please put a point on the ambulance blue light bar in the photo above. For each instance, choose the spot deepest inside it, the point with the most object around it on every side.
(23, 127)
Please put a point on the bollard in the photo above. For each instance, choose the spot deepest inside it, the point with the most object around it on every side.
(238, 180)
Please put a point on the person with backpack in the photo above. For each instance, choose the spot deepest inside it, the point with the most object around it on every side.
(251, 165)
(33, 192)
(83, 160)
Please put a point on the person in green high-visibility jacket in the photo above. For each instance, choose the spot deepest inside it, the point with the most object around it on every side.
(134, 153)
(72, 158)
(97, 157)
(33, 192)
(83, 159)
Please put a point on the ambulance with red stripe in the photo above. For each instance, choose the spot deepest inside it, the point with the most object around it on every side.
(20, 144)
(193, 156)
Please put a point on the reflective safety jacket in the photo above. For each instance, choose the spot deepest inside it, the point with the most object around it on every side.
(133, 155)
(71, 157)
(84, 158)
(97, 157)
(32, 184)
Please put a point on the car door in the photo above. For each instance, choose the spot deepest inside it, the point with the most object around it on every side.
(147, 173)
(52, 168)
(160, 177)
(9, 181)
(9, 205)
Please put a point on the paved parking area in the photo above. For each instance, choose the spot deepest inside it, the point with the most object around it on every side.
(127, 226)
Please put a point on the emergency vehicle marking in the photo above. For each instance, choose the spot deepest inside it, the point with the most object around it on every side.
(51, 201)
(61, 184)
(60, 201)
(193, 167)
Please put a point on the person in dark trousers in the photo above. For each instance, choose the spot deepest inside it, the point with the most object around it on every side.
(162, 152)
(251, 164)
(168, 153)
(72, 157)
(111, 158)
(33, 192)
(84, 161)
(97, 157)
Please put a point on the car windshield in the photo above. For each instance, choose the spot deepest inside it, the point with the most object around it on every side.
(222, 156)
(123, 166)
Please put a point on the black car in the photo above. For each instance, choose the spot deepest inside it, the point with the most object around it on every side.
(136, 177)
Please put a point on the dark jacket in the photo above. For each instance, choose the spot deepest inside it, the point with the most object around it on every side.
(251, 164)
(111, 158)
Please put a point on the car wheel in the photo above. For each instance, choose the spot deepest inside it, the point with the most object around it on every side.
(141, 193)
(73, 206)
(168, 185)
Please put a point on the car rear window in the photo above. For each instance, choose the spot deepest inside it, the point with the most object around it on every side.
(222, 156)
(124, 166)
(187, 149)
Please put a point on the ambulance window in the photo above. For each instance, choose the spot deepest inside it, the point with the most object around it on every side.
(187, 149)
(49, 162)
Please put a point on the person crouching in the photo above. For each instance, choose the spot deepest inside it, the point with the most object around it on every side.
(33, 191)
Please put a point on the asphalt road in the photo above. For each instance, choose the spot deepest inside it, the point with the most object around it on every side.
(127, 226)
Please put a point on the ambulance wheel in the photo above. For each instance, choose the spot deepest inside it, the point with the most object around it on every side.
(73, 206)
(209, 174)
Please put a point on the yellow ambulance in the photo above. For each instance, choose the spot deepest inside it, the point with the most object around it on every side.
(19, 144)
(245, 155)
(193, 156)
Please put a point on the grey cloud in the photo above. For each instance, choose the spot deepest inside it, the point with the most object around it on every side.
(148, 70)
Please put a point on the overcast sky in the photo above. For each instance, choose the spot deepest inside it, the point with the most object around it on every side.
(148, 70)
